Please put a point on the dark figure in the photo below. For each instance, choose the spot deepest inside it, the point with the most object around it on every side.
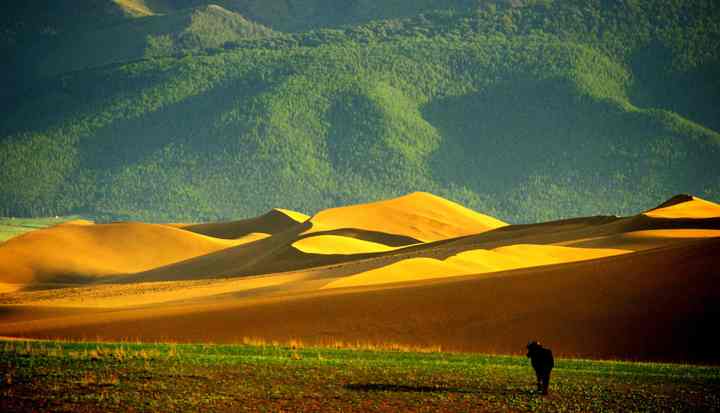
(542, 361)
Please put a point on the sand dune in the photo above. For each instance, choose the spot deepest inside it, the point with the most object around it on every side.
(80, 251)
(643, 240)
(472, 262)
(275, 221)
(656, 305)
(334, 236)
(382, 235)
(417, 269)
(10, 288)
(422, 216)
(685, 206)
(334, 244)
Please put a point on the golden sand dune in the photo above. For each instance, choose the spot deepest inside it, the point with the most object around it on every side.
(472, 262)
(643, 231)
(78, 222)
(282, 241)
(266, 255)
(111, 296)
(685, 206)
(643, 240)
(417, 269)
(330, 237)
(10, 288)
(275, 221)
(650, 305)
(334, 244)
(422, 216)
(78, 251)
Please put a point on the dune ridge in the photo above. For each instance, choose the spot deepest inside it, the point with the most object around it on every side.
(416, 269)
(81, 251)
(685, 206)
(419, 215)
(273, 222)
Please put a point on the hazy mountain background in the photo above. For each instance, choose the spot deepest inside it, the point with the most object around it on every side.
(171, 110)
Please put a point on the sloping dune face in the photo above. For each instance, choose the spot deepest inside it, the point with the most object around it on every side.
(472, 262)
(420, 215)
(334, 244)
(685, 206)
(77, 251)
(417, 269)
(332, 237)
(654, 305)
(275, 221)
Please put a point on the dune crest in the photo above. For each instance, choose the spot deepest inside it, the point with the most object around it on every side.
(273, 222)
(419, 215)
(685, 206)
(77, 252)
(78, 222)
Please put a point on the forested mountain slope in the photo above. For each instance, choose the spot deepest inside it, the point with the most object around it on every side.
(527, 111)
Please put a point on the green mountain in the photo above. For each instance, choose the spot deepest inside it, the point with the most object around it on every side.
(133, 39)
(525, 110)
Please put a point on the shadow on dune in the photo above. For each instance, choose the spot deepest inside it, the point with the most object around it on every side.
(385, 238)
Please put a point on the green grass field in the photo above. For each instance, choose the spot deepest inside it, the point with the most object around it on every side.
(12, 227)
(77, 377)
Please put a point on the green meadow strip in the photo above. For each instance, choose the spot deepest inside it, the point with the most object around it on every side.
(70, 376)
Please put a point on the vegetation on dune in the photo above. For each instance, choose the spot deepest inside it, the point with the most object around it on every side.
(528, 111)
(121, 377)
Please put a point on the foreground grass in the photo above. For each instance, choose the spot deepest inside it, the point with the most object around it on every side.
(59, 376)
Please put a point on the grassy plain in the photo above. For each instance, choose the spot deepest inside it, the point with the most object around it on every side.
(85, 376)
(12, 227)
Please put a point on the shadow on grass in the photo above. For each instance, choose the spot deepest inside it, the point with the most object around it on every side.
(383, 387)
(404, 388)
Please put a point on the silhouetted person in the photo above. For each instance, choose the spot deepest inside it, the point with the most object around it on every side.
(542, 361)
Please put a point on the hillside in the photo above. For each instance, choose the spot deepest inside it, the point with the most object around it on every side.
(526, 111)
(137, 38)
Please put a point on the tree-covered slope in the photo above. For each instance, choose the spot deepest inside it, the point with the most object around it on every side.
(526, 113)
(132, 39)
(151, 36)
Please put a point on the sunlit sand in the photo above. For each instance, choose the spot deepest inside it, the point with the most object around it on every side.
(420, 215)
(686, 207)
(473, 262)
(82, 250)
(416, 269)
(333, 244)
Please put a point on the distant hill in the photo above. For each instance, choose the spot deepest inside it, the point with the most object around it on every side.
(302, 15)
(44, 38)
(527, 111)
(137, 38)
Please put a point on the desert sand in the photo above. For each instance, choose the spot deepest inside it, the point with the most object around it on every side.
(415, 270)
(82, 251)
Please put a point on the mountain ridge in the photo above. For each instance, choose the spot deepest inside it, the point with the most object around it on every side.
(460, 102)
